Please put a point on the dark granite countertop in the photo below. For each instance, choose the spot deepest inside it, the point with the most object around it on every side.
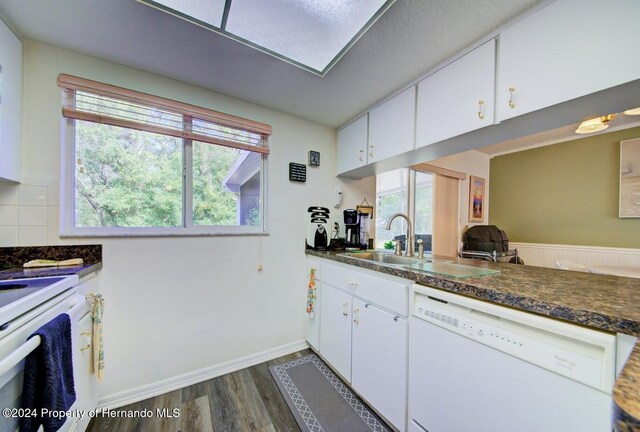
(603, 302)
(12, 259)
(81, 271)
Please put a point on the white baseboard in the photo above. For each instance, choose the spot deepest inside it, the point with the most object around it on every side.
(546, 255)
(147, 391)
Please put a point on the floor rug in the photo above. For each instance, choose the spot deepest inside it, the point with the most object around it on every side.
(319, 401)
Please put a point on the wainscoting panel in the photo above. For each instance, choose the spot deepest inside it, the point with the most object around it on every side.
(546, 255)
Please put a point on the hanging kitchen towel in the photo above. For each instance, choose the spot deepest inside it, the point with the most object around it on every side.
(48, 376)
(98, 347)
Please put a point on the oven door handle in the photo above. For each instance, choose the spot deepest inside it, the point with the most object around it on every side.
(10, 361)
(76, 302)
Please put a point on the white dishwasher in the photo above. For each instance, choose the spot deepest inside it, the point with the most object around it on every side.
(478, 367)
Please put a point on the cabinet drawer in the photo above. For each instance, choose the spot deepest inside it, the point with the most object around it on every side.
(365, 284)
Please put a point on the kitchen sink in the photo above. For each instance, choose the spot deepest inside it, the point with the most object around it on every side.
(430, 265)
(385, 258)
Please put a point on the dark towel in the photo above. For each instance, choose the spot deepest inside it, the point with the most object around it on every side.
(48, 376)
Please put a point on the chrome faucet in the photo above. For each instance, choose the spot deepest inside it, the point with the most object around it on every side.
(409, 240)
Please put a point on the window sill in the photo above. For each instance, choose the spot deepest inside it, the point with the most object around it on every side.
(141, 232)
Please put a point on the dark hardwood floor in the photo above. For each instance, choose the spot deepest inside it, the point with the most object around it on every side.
(246, 400)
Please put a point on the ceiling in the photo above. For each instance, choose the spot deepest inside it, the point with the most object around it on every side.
(411, 38)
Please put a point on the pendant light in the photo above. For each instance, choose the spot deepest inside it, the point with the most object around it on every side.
(633, 111)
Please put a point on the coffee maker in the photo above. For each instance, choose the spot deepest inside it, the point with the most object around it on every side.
(352, 229)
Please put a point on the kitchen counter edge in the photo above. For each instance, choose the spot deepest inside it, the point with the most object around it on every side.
(20, 273)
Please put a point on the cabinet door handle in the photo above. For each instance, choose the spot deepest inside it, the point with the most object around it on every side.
(344, 309)
(371, 151)
(480, 106)
(361, 157)
(355, 315)
(511, 92)
(353, 284)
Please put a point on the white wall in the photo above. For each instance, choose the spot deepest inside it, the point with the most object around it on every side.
(471, 163)
(546, 255)
(178, 304)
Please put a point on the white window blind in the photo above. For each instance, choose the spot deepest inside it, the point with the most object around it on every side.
(103, 103)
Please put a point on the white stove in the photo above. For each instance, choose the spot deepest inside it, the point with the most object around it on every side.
(18, 296)
(25, 306)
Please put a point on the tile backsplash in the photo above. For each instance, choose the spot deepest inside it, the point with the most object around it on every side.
(28, 214)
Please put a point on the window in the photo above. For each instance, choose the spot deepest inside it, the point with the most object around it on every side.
(392, 197)
(143, 165)
(409, 192)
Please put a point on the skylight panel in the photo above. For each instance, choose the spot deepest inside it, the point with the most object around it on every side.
(208, 12)
(311, 34)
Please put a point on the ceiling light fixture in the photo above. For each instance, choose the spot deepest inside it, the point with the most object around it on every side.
(633, 111)
(595, 124)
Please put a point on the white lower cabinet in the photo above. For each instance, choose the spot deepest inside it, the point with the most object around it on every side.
(379, 360)
(335, 330)
(364, 335)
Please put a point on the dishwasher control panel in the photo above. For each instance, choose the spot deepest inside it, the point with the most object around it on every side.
(544, 349)
(474, 329)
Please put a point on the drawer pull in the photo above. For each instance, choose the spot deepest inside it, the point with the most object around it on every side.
(353, 284)
(395, 318)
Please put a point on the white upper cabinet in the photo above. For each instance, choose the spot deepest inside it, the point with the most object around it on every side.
(458, 98)
(10, 105)
(565, 50)
(352, 145)
(392, 127)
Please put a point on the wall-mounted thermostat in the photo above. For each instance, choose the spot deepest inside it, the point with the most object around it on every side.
(314, 158)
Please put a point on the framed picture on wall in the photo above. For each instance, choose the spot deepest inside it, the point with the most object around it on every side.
(476, 199)
(630, 178)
